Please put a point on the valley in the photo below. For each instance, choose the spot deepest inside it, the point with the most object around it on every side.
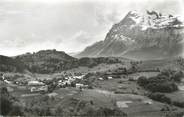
(136, 71)
(99, 90)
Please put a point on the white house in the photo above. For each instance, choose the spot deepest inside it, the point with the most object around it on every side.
(78, 85)
(148, 102)
(6, 81)
(100, 78)
(109, 77)
(39, 89)
(35, 83)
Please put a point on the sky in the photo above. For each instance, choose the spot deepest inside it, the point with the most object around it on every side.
(66, 25)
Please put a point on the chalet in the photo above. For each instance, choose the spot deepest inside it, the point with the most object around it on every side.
(6, 81)
(100, 78)
(79, 77)
(109, 77)
(78, 85)
(39, 89)
(148, 102)
(35, 83)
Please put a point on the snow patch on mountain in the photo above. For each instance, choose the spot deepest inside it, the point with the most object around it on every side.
(154, 21)
(142, 33)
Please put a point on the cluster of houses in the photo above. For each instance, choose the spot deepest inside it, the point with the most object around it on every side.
(37, 86)
(61, 82)
(105, 78)
(42, 87)
(2, 78)
(68, 80)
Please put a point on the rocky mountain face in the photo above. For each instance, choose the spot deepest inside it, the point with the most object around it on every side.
(143, 36)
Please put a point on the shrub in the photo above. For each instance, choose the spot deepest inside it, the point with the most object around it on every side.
(120, 82)
(160, 97)
(8, 105)
(142, 81)
(162, 87)
(177, 76)
(160, 83)
(105, 112)
(16, 110)
(179, 104)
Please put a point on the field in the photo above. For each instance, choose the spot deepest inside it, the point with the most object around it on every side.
(102, 98)
(121, 92)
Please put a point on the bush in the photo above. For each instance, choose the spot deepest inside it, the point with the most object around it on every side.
(160, 83)
(160, 97)
(179, 104)
(8, 105)
(120, 82)
(142, 81)
(16, 110)
(177, 76)
(162, 87)
(104, 112)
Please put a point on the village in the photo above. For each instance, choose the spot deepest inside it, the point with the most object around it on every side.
(116, 87)
(76, 80)
(42, 86)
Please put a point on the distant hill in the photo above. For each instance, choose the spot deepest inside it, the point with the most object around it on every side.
(52, 61)
(149, 35)
(8, 64)
(48, 61)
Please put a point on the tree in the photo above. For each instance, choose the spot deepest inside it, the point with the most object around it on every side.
(142, 81)
(6, 104)
(160, 97)
(177, 76)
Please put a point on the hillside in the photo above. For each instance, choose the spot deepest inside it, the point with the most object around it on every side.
(47, 61)
(11, 64)
(139, 34)
(50, 61)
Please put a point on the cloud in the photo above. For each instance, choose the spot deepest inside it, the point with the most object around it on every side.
(82, 37)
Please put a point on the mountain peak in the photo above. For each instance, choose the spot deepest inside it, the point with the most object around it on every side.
(151, 20)
(151, 31)
(133, 13)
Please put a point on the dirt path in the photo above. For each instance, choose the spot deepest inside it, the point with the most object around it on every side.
(28, 95)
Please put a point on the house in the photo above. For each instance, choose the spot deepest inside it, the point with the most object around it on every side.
(60, 81)
(78, 85)
(79, 77)
(35, 83)
(6, 81)
(33, 89)
(100, 78)
(67, 82)
(39, 89)
(148, 102)
(109, 77)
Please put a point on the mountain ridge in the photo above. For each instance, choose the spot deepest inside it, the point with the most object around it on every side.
(136, 31)
(50, 61)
